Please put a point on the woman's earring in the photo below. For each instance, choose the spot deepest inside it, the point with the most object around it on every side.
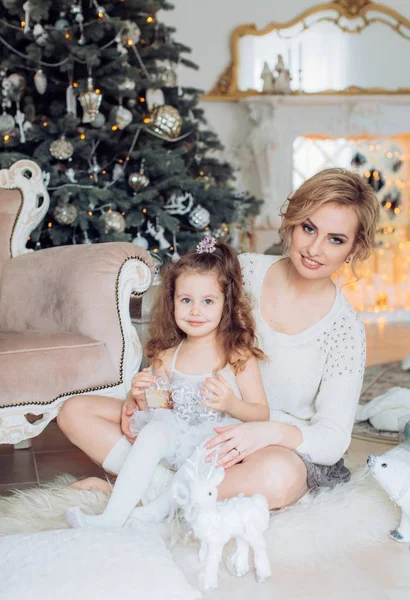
(347, 260)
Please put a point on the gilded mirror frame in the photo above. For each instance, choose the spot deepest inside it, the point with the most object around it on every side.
(226, 87)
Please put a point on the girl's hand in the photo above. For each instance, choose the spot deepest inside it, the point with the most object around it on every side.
(140, 382)
(236, 442)
(128, 408)
(218, 394)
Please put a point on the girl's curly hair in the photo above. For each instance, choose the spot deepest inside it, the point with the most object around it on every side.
(236, 331)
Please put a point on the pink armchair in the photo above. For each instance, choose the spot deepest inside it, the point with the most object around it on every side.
(65, 326)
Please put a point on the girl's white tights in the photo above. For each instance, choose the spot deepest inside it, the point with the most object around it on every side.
(155, 442)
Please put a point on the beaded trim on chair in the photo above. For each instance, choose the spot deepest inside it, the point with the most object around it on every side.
(99, 387)
(13, 229)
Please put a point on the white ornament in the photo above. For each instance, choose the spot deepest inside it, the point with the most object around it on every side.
(282, 81)
(71, 101)
(179, 203)
(70, 174)
(26, 7)
(392, 472)
(140, 241)
(215, 523)
(118, 172)
(157, 232)
(154, 97)
(99, 121)
(127, 85)
(40, 81)
(40, 34)
(131, 33)
(123, 117)
(20, 118)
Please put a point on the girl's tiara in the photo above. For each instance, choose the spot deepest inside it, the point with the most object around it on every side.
(207, 245)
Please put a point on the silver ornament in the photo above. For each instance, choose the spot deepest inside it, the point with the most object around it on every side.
(90, 102)
(65, 213)
(40, 81)
(61, 149)
(61, 24)
(199, 217)
(127, 85)
(179, 203)
(123, 117)
(17, 83)
(117, 172)
(112, 222)
(131, 33)
(6, 123)
(131, 102)
(99, 121)
(165, 121)
(167, 77)
(140, 241)
(40, 34)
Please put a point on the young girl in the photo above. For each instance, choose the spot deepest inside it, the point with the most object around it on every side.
(202, 340)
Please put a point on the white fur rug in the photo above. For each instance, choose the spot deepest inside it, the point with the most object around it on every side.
(319, 527)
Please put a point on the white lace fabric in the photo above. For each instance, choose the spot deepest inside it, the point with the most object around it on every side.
(312, 379)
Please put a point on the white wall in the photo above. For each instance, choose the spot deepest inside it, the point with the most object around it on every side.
(205, 26)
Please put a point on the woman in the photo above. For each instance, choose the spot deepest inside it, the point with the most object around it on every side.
(315, 345)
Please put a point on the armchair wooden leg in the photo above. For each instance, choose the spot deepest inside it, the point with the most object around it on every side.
(23, 445)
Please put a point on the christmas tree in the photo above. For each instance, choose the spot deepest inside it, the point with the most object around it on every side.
(90, 92)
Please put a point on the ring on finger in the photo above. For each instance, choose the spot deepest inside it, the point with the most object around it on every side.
(236, 450)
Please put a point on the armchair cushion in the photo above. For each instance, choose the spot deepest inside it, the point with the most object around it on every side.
(31, 361)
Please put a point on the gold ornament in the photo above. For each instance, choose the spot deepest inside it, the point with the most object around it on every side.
(90, 102)
(138, 181)
(65, 214)
(112, 222)
(165, 121)
(61, 149)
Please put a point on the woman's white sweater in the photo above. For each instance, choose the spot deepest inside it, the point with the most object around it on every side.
(312, 379)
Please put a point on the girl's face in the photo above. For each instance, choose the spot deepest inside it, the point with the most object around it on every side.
(320, 245)
(198, 303)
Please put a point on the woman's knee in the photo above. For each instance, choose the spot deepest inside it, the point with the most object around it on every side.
(71, 411)
(283, 477)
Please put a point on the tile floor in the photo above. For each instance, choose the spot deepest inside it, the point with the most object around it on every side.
(379, 573)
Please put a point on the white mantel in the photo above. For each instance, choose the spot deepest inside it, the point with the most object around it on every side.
(275, 122)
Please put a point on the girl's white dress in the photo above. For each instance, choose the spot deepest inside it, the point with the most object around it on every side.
(193, 421)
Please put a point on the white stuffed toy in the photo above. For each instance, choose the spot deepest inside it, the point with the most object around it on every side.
(214, 523)
(392, 471)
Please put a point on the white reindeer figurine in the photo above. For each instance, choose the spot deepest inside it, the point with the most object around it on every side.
(214, 523)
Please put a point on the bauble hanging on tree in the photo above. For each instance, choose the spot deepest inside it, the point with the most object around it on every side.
(199, 217)
(90, 102)
(40, 81)
(65, 213)
(61, 149)
(138, 181)
(112, 222)
(165, 121)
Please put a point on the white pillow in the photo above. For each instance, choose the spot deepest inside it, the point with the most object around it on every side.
(90, 564)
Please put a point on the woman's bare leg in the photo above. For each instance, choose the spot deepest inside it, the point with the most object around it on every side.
(277, 473)
(92, 423)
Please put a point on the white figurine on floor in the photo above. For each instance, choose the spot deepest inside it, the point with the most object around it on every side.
(392, 471)
(215, 523)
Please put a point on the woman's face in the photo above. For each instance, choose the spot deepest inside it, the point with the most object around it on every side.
(321, 243)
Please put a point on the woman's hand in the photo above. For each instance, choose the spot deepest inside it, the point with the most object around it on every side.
(219, 395)
(236, 442)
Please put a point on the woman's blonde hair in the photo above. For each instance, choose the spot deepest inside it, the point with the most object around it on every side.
(343, 188)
